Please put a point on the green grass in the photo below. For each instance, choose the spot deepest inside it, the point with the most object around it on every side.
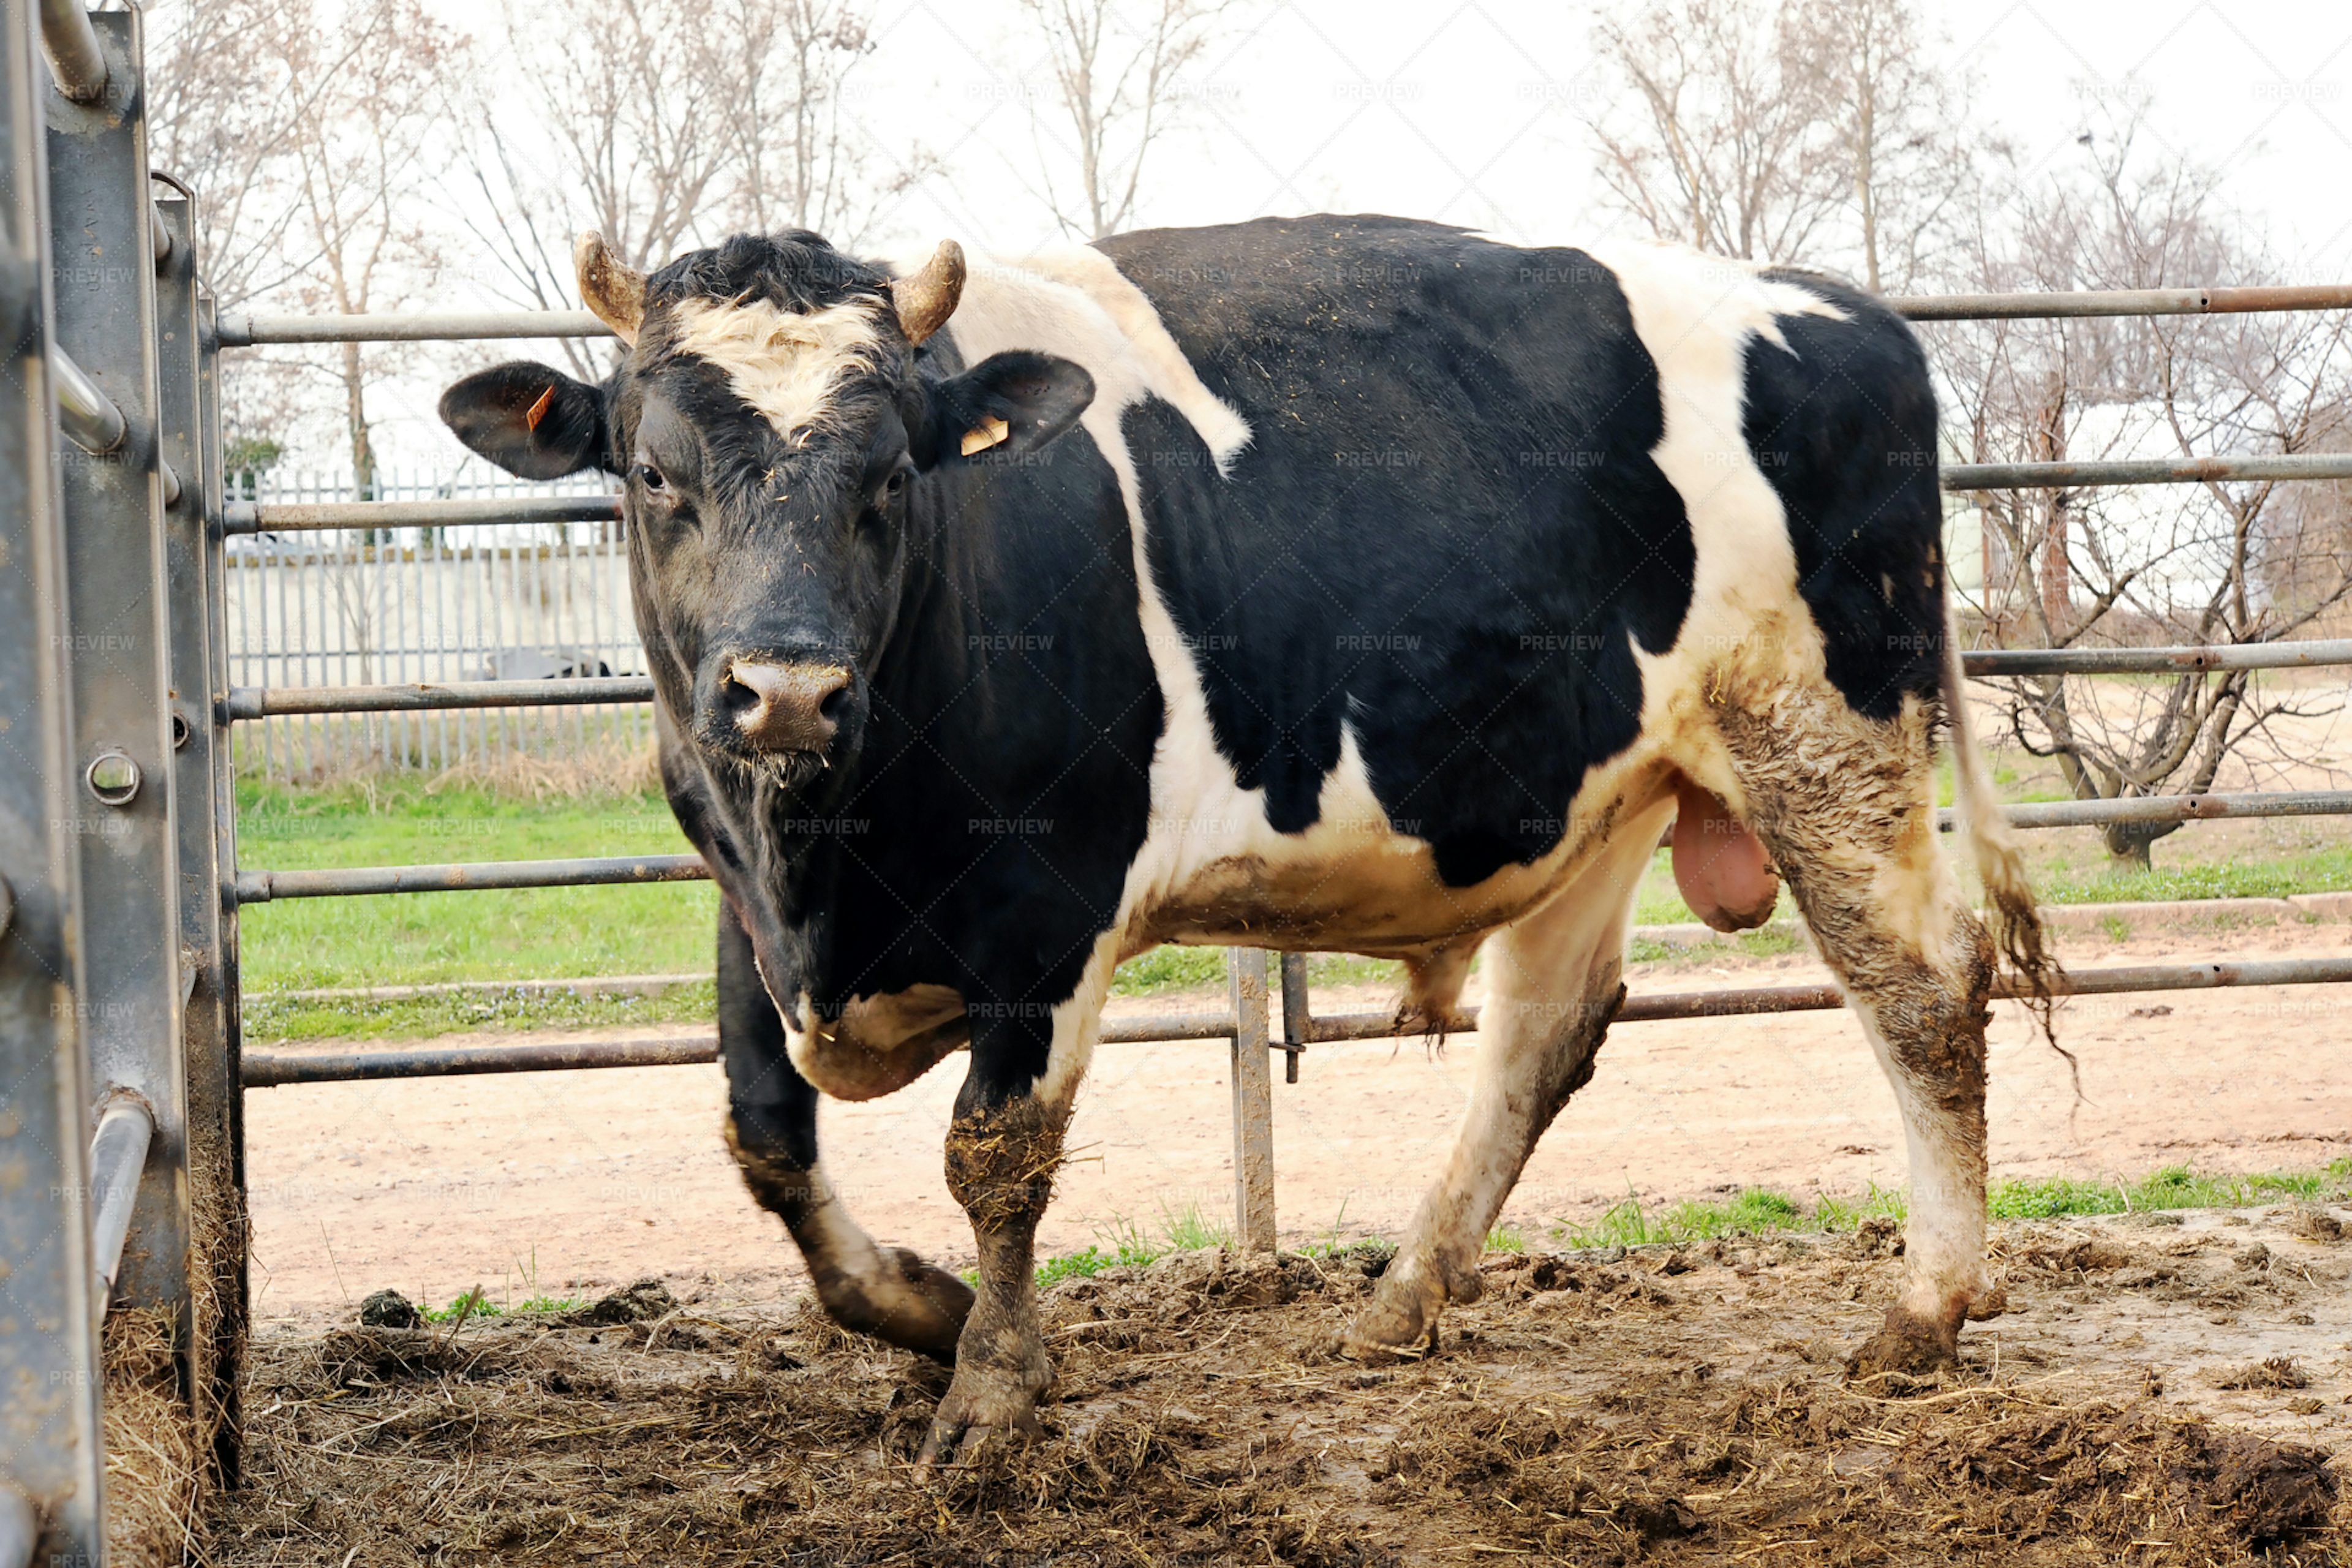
(1123, 1243)
(1764, 941)
(2318, 871)
(477, 1303)
(2173, 1187)
(1762, 1211)
(420, 938)
(273, 1018)
(1755, 1211)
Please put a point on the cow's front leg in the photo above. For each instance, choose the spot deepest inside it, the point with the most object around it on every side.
(1001, 1151)
(1001, 1158)
(888, 1292)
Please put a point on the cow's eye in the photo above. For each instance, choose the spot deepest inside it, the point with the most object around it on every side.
(894, 486)
(651, 478)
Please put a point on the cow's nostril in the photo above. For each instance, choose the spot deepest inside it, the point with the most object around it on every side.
(784, 707)
(735, 700)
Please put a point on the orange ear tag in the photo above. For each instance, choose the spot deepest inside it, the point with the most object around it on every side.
(991, 433)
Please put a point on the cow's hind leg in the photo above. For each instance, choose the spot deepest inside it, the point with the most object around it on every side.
(889, 1293)
(1553, 987)
(1846, 804)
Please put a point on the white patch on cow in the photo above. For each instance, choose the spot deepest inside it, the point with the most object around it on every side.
(1075, 303)
(879, 1044)
(1696, 315)
(784, 363)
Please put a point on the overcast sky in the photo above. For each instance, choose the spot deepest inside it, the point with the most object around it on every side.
(1475, 114)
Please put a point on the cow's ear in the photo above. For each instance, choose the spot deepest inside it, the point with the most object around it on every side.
(533, 422)
(1004, 407)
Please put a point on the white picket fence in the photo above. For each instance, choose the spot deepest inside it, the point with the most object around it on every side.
(505, 601)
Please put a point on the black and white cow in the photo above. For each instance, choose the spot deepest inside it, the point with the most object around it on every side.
(1330, 583)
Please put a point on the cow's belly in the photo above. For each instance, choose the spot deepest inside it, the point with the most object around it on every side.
(1213, 871)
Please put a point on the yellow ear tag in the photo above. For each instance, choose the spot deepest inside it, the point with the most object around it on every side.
(991, 433)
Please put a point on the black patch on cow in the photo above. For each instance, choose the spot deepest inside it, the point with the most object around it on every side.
(1843, 422)
(1448, 530)
(774, 1107)
(1006, 770)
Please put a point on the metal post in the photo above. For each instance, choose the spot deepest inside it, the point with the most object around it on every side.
(1298, 1014)
(199, 734)
(1253, 1103)
(104, 278)
(77, 60)
(117, 1158)
(51, 1464)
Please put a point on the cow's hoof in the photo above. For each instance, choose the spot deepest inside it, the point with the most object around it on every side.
(1400, 1324)
(927, 1317)
(910, 1303)
(981, 1410)
(1910, 1344)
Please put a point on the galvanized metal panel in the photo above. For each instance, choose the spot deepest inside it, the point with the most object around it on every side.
(229, 1259)
(199, 731)
(103, 278)
(48, 1339)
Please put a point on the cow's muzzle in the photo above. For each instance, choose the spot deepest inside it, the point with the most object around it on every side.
(778, 708)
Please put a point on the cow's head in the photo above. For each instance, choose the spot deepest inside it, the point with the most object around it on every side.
(771, 425)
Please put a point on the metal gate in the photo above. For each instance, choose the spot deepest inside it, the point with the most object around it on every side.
(120, 1067)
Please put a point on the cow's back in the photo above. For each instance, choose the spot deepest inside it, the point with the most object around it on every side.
(1433, 532)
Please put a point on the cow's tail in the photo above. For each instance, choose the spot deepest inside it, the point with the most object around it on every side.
(2018, 933)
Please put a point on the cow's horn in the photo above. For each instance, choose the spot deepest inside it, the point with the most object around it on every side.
(610, 287)
(927, 298)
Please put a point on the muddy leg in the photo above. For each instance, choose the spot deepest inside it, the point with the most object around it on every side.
(889, 1293)
(1554, 987)
(1848, 816)
(1002, 1151)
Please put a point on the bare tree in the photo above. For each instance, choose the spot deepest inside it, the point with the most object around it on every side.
(662, 125)
(1910, 160)
(1822, 132)
(360, 179)
(232, 86)
(2224, 561)
(222, 99)
(1115, 65)
(1722, 134)
(800, 160)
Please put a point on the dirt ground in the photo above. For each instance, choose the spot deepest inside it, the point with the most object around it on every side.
(560, 1182)
(2164, 1390)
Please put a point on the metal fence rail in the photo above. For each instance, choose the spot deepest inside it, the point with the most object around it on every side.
(262, 887)
(456, 326)
(433, 602)
(246, 518)
(1301, 1027)
(258, 701)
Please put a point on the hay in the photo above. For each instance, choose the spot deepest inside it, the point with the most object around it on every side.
(1573, 1416)
(154, 1454)
(615, 766)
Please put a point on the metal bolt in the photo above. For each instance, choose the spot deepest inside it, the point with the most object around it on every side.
(113, 778)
